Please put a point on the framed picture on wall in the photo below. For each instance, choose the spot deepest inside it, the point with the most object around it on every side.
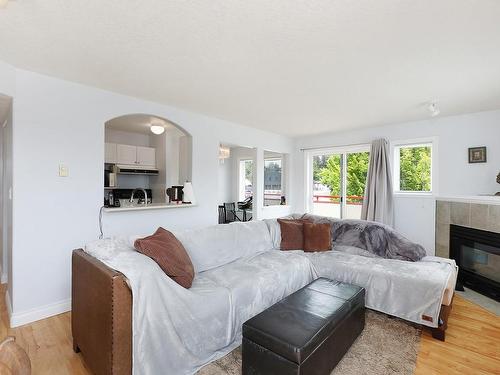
(477, 154)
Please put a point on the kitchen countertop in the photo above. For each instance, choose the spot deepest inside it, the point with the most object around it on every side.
(151, 206)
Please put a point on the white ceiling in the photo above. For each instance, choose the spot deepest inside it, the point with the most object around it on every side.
(292, 67)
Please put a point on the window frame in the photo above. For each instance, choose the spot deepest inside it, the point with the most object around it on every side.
(241, 178)
(282, 162)
(395, 160)
(311, 153)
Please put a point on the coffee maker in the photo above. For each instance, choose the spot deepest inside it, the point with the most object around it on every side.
(175, 194)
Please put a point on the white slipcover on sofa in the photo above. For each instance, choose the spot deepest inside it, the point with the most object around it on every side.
(239, 273)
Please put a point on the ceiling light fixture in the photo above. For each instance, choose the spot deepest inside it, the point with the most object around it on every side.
(156, 129)
(224, 153)
(433, 109)
(3, 3)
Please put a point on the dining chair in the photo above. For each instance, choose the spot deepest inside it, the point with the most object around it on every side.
(230, 211)
(222, 214)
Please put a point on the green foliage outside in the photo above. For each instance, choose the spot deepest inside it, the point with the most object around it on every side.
(415, 169)
(248, 169)
(326, 170)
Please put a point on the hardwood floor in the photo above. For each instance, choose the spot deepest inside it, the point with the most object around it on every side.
(472, 343)
(48, 343)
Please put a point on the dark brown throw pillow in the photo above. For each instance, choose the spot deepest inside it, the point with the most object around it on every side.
(292, 234)
(317, 237)
(166, 250)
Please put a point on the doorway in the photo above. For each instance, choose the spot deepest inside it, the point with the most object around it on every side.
(236, 183)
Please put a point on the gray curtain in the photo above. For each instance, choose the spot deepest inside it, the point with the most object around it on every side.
(378, 202)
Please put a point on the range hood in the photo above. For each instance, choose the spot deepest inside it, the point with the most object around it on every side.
(135, 169)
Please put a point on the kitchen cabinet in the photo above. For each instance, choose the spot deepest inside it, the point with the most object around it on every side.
(133, 155)
(126, 154)
(110, 153)
(146, 156)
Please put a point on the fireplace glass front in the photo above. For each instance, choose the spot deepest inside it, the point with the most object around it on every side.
(484, 263)
(477, 254)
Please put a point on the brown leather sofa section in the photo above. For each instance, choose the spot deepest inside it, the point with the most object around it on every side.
(101, 318)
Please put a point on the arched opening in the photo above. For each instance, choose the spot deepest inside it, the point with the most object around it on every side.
(145, 153)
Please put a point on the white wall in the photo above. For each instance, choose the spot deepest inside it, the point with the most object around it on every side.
(126, 138)
(172, 161)
(414, 216)
(55, 122)
(7, 87)
(226, 181)
(237, 155)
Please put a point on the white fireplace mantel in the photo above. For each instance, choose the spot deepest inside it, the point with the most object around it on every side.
(479, 199)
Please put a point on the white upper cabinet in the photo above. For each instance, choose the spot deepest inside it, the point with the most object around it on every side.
(131, 155)
(146, 156)
(126, 154)
(110, 153)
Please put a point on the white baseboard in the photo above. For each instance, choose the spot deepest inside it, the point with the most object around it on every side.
(29, 316)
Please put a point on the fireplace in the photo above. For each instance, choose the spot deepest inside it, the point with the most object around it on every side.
(477, 253)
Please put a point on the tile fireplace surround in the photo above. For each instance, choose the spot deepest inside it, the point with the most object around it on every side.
(474, 212)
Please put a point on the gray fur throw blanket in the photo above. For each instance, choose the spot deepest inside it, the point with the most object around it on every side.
(376, 238)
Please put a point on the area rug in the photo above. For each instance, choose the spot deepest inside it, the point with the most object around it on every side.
(386, 346)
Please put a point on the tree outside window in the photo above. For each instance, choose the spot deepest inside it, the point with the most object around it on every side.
(327, 171)
(413, 168)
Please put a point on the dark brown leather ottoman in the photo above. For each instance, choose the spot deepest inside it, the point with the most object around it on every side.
(307, 332)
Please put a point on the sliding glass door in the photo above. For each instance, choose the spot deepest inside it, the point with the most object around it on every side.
(355, 179)
(336, 181)
(327, 185)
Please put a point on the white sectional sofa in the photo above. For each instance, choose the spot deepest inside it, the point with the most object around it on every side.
(240, 271)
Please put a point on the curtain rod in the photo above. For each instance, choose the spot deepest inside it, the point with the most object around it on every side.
(325, 147)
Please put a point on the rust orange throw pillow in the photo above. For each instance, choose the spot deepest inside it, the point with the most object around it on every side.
(292, 234)
(166, 250)
(317, 237)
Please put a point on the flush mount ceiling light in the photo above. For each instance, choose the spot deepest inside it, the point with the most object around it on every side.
(433, 109)
(156, 129)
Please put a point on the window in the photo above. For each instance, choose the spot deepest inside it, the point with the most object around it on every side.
(413, 167)
(336, 181)
(273, 177)
(245, 179)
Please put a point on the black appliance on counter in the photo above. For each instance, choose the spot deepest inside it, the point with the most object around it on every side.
(118, 194)
(175, 194)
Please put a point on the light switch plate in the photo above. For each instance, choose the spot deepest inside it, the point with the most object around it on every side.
(63, 170)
